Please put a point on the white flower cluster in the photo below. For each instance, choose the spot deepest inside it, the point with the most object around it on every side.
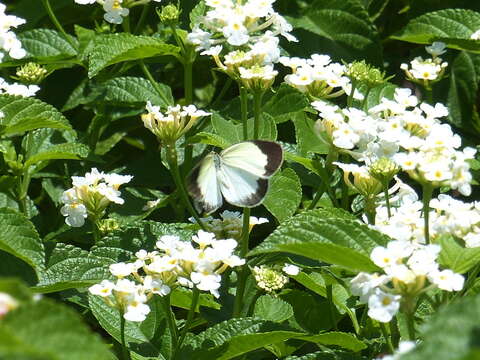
(114, 11)
(430, 69)
(270, 278)
(319, 77)
(90, 195)
(18, 89)
(230, 225)
(475, 35)
(7, 304)
(403, 348)
(406, 266)
(176, 121)
(404, 131)
(176, 263)
(448, 216)
(8, 40)
(241, 23)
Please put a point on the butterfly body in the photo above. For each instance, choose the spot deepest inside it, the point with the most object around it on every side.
(239, 174)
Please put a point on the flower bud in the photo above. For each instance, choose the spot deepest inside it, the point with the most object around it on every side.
(360, 71)
(169, 14)
(107, 226)
(31, 73)
(268, 278)
(258, 79)
(384, 170)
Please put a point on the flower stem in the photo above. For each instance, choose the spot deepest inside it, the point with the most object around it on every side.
(387, 200)
(331, 306)
(242, 273)
(173, 162)
(244, 109)
(143, 17)
(350, 96)
(370, 210)
(125, 352)
(51, 14)
(257, 111)
(427, 196)
(190, 315)
(165, 300)
(411, 327)
(149, 76)
(387, 336)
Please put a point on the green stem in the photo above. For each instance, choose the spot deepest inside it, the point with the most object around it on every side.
(331, 306)
(350, 96)
(244, 109)
(188, 81)
(173, 162)
(178, 40)
(51, 14)
(411, 327)
(257, 112)
(427, 196)
(126, 24)
(191, 313)
(223, 91)
(149, 76)
(370, 210)
(386, 334)
(96, 231)
(143, 17)
(172, 325)
(242, 273)
(23, 184)
(125, 352)
(365, 100)
(318, 196)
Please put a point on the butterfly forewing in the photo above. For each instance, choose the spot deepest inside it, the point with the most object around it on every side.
(203, 184)
(258, 157)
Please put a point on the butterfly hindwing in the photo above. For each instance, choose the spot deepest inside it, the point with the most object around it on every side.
(203, 184)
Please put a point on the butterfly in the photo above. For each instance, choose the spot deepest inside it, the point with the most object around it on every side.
(239, 174)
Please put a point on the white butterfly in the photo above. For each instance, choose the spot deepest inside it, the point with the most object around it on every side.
(240, 173)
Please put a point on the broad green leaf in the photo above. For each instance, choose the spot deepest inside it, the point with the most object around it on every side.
(307, 139)
(22, 114)
(233, 133)
(272, 308)
(60, 151)
(46, 44)
(284, 194)
(196, 14)
(462, 92)
(456, 257)
(234, 337)
(210, 139)
(285, 102)
(344, 340)
(44, 330)
(115, 48)
(20, 238)
(357, 34)
(376, 94)
(131, 91)
(452, 26)
(338, 241)
(451, 333)
(85, 40)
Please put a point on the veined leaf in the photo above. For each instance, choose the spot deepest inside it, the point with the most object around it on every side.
(307, 139)
(272, 308)
(46, 44)
(285, 102)
(456, 257)
(452, 26)
(45, 330)
(338, 241)
(60, 151)
(22, 114)
(284, 194)
(20, 238)
(114, 48)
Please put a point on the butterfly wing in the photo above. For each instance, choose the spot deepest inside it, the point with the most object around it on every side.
(240, 187)
(244, 171)
(203, 184)
(260, 158)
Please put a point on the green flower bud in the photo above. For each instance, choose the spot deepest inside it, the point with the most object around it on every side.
(31, 73)
(169, 14)
(360, 71)
(268, 278)
(108, 225)
(384, 170)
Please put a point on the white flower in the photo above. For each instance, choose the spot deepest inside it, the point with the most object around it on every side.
(364, 284)
(291, 269)
(382, 306)
(155, 286)
(75, 214)
(235, 32)
(114, 12)
(447, 280)
(475, 35)
(7, 304)
(85, 2)
(437, 48)
(18, 89)
(121, 269)
(136, 309)
(103, 289)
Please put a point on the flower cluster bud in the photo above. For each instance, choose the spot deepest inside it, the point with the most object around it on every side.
(269, 278)
(31, 73)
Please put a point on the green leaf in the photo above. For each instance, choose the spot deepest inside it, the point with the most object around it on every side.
(272, 308)
(357, 34)
(233, 133)
(129, 90)
(46, 44)
(307, 139)
(376, 94)
(20, 238)
(45, 330)
(462, 92)
(234, 337)
(115, 48)
(338, 241)
(22, 114)
(344, 340)
(196, 14)
(456, 257)
(285, 102)
(284, 194)
(452, 26)
(60, 151)
(210, 139)
(451, 333)
(149, 338)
